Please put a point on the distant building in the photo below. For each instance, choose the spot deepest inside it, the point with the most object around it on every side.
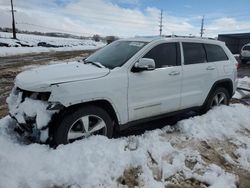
(235, 41)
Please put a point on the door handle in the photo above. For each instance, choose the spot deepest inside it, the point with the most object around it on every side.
(210, 68)
(174, 73)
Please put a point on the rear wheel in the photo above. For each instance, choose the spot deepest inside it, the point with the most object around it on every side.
(82, 123)
(220, 96)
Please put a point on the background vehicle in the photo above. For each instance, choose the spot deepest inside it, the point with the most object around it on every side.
(126, 82)
(245, 53)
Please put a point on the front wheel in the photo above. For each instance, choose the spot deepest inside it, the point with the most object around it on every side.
(82, 123)
(220, 96)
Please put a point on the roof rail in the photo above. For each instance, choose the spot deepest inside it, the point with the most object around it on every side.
(180, 36)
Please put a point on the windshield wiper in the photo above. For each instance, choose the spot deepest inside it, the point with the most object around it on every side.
(97, 64)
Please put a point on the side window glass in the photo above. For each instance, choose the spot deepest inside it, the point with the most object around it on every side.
(246, 48)
(164, 55)
(215, 53)
(193, 53)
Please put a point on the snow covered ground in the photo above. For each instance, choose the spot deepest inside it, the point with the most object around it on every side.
(155, 159)
(212, 150)
(245, 84)
(31, 44)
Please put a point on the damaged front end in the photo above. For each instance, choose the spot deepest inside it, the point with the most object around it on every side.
(32, 112)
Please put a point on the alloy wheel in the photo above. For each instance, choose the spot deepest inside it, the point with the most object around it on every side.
(218, 99)
(86, 126)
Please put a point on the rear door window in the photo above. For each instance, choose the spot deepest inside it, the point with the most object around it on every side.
(215, 53)
(193, 53)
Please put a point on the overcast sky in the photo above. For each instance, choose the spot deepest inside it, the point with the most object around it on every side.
(128, 17)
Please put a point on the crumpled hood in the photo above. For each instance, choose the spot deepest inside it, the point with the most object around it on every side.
(42, 77)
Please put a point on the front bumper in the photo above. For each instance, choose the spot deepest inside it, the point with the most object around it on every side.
(26, 127)
(30, 114)
(30, 131)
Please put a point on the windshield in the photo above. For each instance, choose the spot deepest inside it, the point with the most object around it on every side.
(116, 53)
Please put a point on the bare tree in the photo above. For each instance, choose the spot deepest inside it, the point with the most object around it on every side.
(96, 38)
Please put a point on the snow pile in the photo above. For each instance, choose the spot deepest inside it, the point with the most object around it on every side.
(223, 178)
(245, 84)
(27, 43)
(220, 123)
(223, 123)
(244, 152)
(158, 157)
(80, 164)
(9, 51)
(31, 108)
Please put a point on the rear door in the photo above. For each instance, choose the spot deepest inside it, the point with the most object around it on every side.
(156, 92)
(198, 75)
(216, 55)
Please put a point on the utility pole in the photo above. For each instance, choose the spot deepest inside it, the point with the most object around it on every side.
(13, 21)
(161, 23)
(202, 26)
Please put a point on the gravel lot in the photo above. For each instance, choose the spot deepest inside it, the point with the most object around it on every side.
(10, 66)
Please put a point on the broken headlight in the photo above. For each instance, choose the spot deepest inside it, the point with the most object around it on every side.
(43, 96)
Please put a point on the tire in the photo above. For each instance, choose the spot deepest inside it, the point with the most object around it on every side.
(74, 124)
(211, 102)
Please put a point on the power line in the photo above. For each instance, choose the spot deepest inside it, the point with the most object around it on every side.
(119, 20)
(101, 18)
(138, 23)
(229, 31)
(51, 28)
(228, 16)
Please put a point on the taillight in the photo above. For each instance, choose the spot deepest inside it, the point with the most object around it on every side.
(237, 65)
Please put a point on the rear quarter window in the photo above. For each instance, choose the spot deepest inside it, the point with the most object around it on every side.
(215, 53)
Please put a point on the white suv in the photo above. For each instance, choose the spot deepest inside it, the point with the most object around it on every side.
(126, 82)
(245, 53)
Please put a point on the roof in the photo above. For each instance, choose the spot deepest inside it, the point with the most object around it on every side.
(236, 35)
(174, 37)
(143, 39)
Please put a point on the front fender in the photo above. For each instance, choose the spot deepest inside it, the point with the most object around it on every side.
(110, 90)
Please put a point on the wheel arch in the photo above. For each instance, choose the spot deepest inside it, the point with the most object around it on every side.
(225, 83)
(102, 103)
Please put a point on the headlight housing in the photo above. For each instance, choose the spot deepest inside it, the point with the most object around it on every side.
(43, 96)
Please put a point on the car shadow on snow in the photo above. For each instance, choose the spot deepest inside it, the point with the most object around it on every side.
(141, 128)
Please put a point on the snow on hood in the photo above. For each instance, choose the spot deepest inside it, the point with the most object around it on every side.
(245, 84)
(42, 77)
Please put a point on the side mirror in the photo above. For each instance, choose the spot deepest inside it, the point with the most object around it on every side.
(144, 64)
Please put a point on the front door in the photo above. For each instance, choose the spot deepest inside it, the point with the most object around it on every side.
(158, 91)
